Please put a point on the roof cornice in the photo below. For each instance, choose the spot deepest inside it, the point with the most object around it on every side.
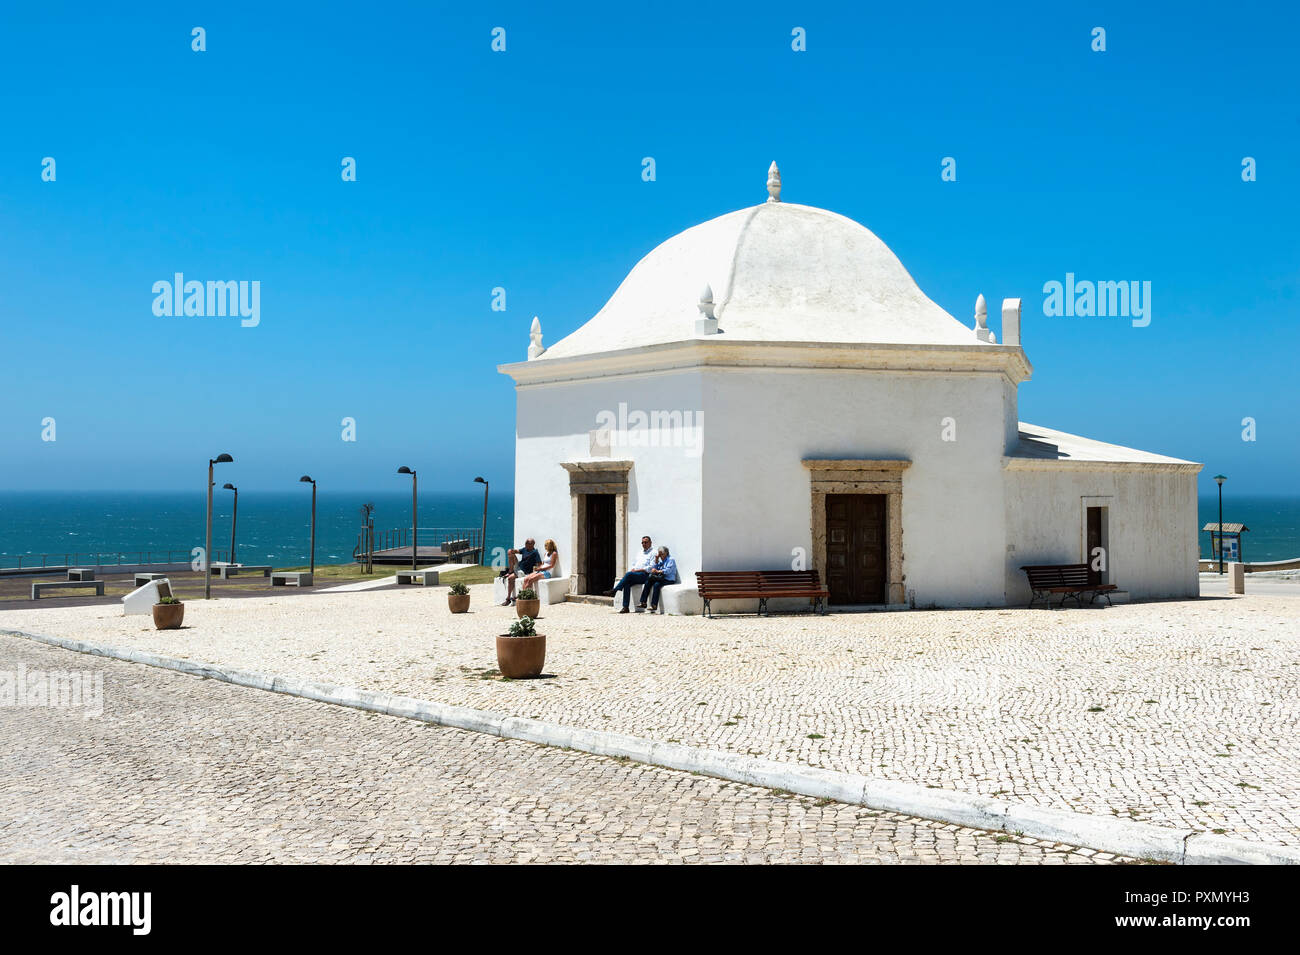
(715, 352)
(1066, 464)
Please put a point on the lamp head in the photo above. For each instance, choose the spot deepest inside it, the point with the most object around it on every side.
(1219, 479)
(222, 459)
(479, 480)
(229, 487)
(404, 470)
(306, 479)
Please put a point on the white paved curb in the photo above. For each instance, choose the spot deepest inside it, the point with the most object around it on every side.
(1103, 833)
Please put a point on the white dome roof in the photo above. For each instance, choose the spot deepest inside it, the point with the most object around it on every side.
(779, 272)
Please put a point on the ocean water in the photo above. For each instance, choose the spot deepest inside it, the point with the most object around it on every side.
(1274, 524)
(274, 528)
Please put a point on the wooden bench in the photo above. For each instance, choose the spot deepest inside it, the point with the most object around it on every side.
(226, 571)
(37, 589)
(80, 573)
(1071, 581)
(762, 585)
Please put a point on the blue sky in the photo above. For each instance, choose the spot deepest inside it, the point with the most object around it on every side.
(522, 169)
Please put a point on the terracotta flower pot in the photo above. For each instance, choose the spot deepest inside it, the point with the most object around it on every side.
(458, 603)
(520, 658)
(528, 608)
(168, 616)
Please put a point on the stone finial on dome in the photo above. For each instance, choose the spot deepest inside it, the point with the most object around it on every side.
(773, 183)
(706, 324)
(535, 346)
(982, 321)
(706, 301)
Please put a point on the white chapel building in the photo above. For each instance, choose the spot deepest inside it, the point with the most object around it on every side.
(771, 390)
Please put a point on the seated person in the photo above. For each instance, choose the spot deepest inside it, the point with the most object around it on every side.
(663, 572)
(639, 573)
(523, 561)
(544, 571)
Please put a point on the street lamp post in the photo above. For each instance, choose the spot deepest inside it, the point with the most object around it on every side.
(415, 511)
(368, 536)
(207, 542)
(234, 518)
(306, 479)
(482, 536)
(1219, 479)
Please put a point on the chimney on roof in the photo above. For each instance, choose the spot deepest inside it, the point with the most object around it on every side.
(1011, 321)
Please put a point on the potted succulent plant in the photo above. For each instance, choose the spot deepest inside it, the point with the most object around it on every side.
(168, 613)
(458, 598)
(521, 652)
(528, 604)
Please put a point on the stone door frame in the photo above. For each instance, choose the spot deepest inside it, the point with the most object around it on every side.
(1107, 503)
(596, 477)
(861, 476)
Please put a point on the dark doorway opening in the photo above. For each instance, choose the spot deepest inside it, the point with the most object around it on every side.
(855, 548)
(1095, 547)
(599, 548)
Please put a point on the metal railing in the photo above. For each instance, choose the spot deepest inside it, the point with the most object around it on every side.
(451, 541)
(100, 559)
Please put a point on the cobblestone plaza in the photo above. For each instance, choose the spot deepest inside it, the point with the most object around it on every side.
(1174, 713)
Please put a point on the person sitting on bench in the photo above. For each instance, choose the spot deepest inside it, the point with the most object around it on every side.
(639, 573)
(663, 572)
(523, 561)
(544, 571)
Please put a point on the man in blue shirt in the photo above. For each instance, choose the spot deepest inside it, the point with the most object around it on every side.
(663, 572)
(522, 562)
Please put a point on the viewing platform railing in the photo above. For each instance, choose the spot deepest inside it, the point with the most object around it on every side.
(458, 544)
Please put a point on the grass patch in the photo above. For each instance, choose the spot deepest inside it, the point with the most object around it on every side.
(469, 576)
(343, 573)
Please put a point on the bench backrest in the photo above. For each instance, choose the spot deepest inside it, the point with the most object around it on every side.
(1043, 576)
(773, 582)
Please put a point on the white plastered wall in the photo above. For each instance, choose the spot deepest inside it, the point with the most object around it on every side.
(554, 422)
(1151, 526)
(762, 423)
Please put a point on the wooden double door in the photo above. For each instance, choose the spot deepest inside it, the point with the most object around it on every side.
(856, 564)
(600, 547)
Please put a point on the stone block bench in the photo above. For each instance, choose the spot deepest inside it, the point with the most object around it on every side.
(417, 578)
(143, 578)
(226, 571)
(553, 591)
(80, 573)
(680, 600)
(38, 589)
(292, 578)
(429, 576)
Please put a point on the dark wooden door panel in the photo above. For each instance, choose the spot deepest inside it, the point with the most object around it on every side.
(599, 545)
(855, 548)
(1094, 542)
